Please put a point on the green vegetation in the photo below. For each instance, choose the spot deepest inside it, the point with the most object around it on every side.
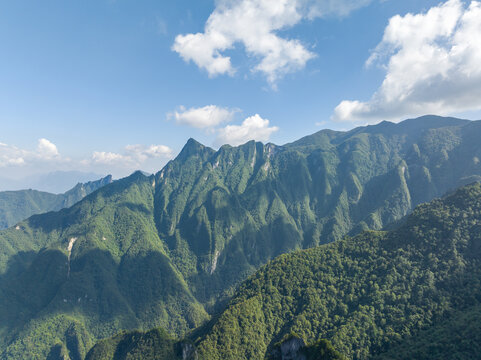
(16, 206)
(400, 293)
(167, 250)
(295, 348)
(411, 293)
(224, 214)
(322, 350)
(457, 337)
(115, 276)
(152, 345)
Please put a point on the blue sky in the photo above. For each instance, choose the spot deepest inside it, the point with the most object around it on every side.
(114, 85)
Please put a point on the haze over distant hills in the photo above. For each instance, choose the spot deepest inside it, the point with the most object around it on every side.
(54, 182)
(169, 249)
(21, 204)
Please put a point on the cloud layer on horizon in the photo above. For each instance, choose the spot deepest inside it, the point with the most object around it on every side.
(432, 66)
(46, 158)
(132, 156)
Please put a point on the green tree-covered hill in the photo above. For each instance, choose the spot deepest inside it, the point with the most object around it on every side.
(18, 205)
(412, 293)
(88, 271)
(166, 250)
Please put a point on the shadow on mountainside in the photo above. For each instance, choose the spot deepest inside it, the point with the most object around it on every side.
(101, 295)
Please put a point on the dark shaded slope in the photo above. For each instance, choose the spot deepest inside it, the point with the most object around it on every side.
(152, 345)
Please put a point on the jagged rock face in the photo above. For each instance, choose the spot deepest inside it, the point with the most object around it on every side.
(189, 352)
(291, 349)
(58, 352)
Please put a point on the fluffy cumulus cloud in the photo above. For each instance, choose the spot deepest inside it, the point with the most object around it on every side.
(252, 128)
(11, 155)
(106, 157)
(255, 25)
(47, 149)
(203, 117)
(133, 155)
(432, 61)
(211, 118)
(142, 153)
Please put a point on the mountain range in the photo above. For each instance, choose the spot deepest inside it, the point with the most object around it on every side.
(170, 250)
(21, 204)
(55, 182)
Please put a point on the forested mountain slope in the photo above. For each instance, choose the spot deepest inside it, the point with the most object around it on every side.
(223, 214)
(165, 250)
(18, 205)
(457, 337)
(414, 292)
(86, 272)
(411, 293)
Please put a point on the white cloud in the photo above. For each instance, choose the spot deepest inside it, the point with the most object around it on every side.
(252, 128)
(45, 157)
(433, 66)
(11, 155)
(141, 153)
(133, 155)
(104, 157)
(207, 116)
(254, 23)
(47, 149)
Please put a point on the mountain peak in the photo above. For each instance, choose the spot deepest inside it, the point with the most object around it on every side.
(433, 121)
(193, 147)
(192, 144)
